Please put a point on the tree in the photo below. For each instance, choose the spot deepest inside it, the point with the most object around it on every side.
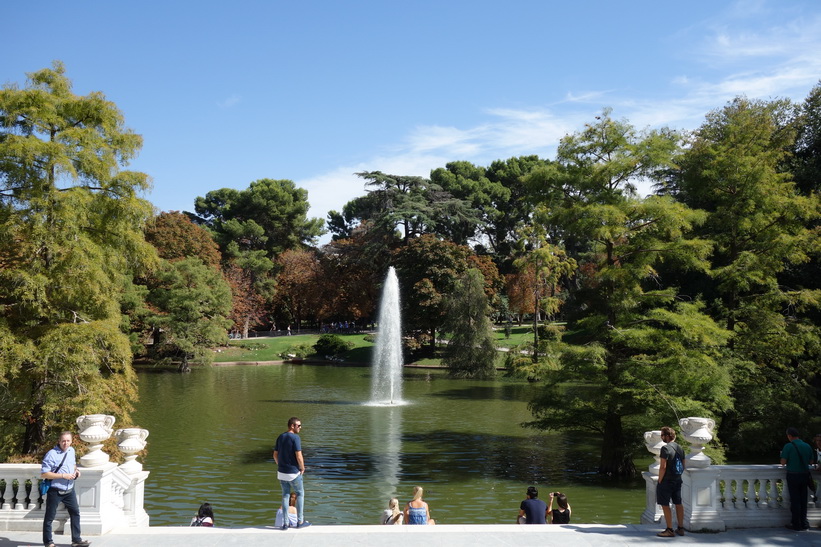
(805, 163)
(645, 347)
(471, 352)
(278, 207)
(761, 228)
(402, 206)
(499, 198)
(300, 285)
(252, 227)
(192, 301)
(175, 237)
(427, 269)
(70, 236)
(545, 265)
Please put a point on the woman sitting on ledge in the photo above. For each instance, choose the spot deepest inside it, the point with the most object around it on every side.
(392, 515)
(417, 511)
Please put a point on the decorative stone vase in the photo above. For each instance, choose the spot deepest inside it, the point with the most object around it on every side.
(653, 442)
(130, 441)
(94, 430)
(698, 432)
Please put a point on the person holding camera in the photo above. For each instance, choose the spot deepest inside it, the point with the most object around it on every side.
(60, 467)
(561, 515)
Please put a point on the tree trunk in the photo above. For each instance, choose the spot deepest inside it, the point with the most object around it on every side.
(246, 326)
(34, 436)
(615, 460)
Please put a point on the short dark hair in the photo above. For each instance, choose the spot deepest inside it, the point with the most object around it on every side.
(665, 431)
(292, 421)
(532, 492)
(793, 432)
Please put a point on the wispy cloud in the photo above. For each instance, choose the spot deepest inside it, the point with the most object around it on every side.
(727, 58)
(230, 102)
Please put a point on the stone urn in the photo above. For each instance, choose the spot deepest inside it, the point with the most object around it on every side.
(698, 432)
(131, 440)
(653, 442)
(94, 430)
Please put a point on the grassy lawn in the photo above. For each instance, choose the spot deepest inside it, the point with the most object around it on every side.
(518, 335)
(269, 349)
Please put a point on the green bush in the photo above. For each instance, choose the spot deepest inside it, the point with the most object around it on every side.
(331, 344)
(298, 351)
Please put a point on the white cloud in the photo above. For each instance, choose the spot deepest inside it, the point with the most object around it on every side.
(773, 62)
(231, 101)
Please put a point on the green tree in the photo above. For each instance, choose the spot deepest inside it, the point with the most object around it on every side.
(427, 269)
(647, 350)
(402, 206)
(192, 302)
(70, 235)
(499, 198)
(762, 228)
(546, 265)
(270, 215)
(471, 352)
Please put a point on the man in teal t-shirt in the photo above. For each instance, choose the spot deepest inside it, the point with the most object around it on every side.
(796, 456)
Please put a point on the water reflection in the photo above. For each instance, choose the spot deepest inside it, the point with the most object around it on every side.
(386, 446)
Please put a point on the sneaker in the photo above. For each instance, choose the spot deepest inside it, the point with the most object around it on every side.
(283, 527)
(303, 524)
(679, 531)
(81, 543)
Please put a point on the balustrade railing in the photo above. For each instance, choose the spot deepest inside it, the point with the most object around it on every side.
(110, 495)
(718, 497)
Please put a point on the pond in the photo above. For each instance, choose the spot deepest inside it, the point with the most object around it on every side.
(212, 434)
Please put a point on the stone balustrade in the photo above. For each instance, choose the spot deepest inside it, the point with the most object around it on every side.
(110, 495)
(720, 497)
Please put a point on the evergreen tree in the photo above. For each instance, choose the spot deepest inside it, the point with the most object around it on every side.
(646, 352)
(761, 227)
(471, 352)
(70, 235)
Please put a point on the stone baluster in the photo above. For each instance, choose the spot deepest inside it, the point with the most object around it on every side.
(698, 432)
(130, 441)
(94, 430)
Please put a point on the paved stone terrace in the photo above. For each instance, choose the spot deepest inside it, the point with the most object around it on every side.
(495, 535)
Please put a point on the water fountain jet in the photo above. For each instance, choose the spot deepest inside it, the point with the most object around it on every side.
(386, 378)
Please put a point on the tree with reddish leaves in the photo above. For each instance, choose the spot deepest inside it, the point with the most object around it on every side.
(175, 237)
(299, 285)
(428, 269)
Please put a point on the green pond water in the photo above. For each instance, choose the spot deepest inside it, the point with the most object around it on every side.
(212, 434)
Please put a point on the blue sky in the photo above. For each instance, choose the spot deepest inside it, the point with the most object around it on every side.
(225, 93)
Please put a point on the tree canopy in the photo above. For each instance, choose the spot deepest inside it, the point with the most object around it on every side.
(70, 235)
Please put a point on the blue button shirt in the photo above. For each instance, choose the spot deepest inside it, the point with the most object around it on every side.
(53, 459)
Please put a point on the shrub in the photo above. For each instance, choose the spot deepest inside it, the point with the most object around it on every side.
(331, 344)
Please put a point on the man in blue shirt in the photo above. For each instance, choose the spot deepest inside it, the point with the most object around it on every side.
(59, 466)
(532, 510)
(796, 456)
(290, 468)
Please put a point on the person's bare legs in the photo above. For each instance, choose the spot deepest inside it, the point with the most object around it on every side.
(668, 515)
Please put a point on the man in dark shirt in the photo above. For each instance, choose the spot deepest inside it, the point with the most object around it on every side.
(290, 468)
(796, 456)
(669, 485)
(533, 510)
